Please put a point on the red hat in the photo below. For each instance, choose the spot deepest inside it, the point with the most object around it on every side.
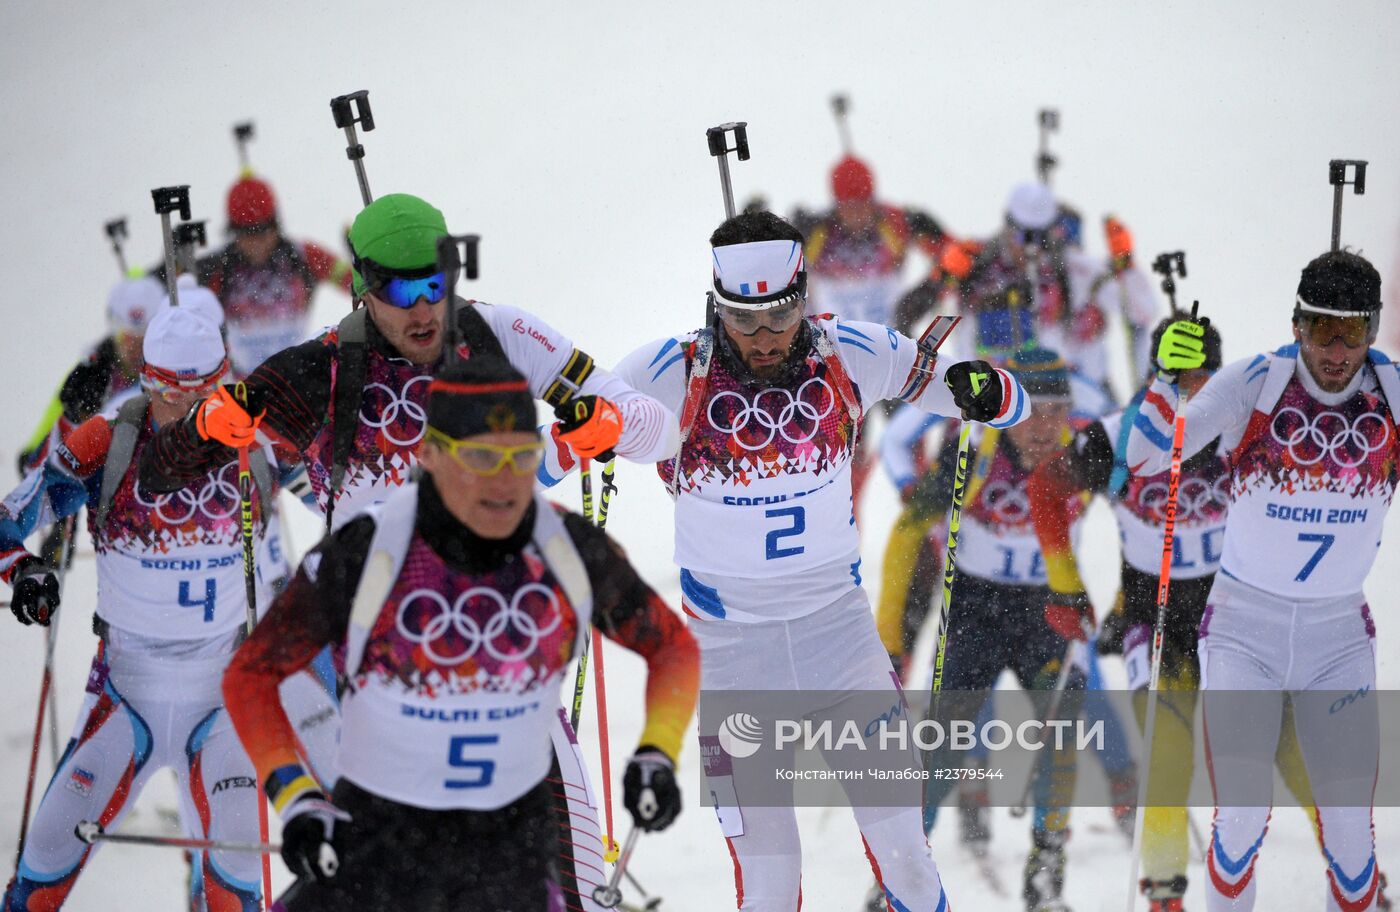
(852, 180)
(251, 204)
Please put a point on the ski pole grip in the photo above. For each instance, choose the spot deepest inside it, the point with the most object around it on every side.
(1049, 119)
(353, 109)
(116, 230)
(243, 131)
(172, 199)
(840, 104)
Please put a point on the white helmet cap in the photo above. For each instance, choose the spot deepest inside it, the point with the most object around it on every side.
(132, 303)
(184, 344)
(196, 299)
(759, 274)
(1031, 206)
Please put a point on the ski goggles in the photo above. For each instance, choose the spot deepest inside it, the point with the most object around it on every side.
(400, 290)
(747, 322)
(488, 458)
(1324, 329)
(172, 385)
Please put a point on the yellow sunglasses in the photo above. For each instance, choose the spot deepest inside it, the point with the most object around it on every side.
(488, 458)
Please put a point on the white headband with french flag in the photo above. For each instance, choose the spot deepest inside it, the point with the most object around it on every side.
(756, 270)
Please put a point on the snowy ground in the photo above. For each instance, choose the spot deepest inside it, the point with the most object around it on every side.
(570, 138)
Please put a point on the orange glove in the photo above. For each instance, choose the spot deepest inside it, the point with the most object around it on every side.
(956, 261)
(1120, 243)
(221, 418)
(591, 426)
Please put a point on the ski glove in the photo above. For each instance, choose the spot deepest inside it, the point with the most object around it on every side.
(649, 789)
(976, 389)
(308, 836)
(222, 418)
(1070, 615)
(1183, 346)
(35, 596)
(1120, 244)
(590, 425)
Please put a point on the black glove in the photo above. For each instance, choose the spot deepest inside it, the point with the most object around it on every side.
(649, 790)
(976, 389)
(308, 837)
(35, 596)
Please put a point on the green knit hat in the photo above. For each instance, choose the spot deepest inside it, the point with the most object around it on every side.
(397, 233)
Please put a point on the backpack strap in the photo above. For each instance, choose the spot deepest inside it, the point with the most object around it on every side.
(552, 540)
(699, 355)
(393, 530)
(131, 417)
(1387, 377)
(837, 371)
(348, 371)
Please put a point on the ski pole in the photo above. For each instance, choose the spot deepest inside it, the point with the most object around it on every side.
(1163, 589)
(245, 503)
(609, 476)
(1045, 162)
(1337, 177)
(116, 233)
(92, 832)
(168, 200)
(70, 531)
(189, 237)
(950, 560)
(242, 135)
(1169, 266)
(608, 895)
(600, 697)
(45, 688)
(348, 110)
(456, 254)
(840, 105)
(1056, 697)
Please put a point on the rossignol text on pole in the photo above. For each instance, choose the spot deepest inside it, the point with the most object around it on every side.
(1337, 177)
(349, 110)
(116, 233)
(168, 200)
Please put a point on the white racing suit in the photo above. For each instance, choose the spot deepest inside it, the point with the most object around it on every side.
(1313, 475)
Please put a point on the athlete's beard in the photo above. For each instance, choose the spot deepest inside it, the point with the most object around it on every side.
(776, 374)
(1342, 370)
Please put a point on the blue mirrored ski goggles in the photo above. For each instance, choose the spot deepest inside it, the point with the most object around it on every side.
(404, 293)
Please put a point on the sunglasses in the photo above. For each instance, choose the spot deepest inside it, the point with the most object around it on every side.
(1322, 329)
(748, 322)
(488, 458)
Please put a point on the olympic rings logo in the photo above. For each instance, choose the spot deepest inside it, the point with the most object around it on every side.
(507, 624)
(1007, 502)
(1194, 498)
(398, 403)
(775, 410)
(191, 503)
(1329, 433)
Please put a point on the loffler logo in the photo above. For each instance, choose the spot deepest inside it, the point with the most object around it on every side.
(740, 735)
